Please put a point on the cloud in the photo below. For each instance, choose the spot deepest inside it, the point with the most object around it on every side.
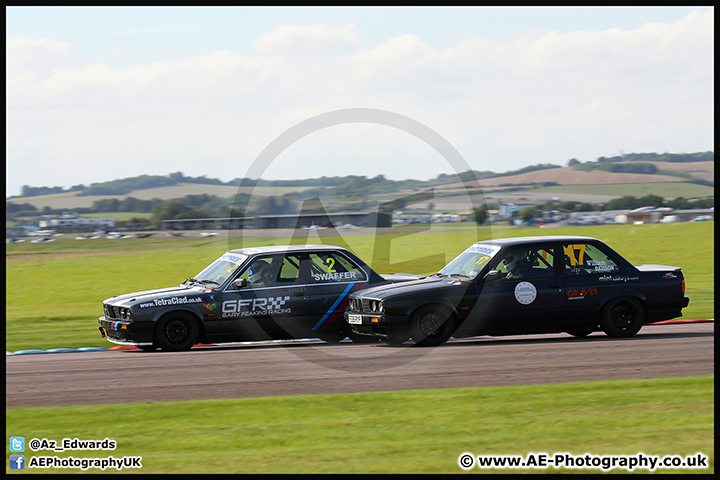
(317, 40)
(540, 97)
(24, 53)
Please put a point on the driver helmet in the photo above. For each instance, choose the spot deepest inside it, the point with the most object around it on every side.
(256, 270)
(513, 261)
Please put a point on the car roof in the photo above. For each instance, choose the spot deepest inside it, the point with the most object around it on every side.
(285, 248)
(540, 239)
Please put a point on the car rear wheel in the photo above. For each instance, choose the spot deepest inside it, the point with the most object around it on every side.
(176, 332)
(431, 325)
(622, 317)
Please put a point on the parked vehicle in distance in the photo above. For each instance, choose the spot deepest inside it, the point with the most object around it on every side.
(247, 294)
(523, 285)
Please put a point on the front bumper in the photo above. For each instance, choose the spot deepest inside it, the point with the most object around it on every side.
(377, 325)
(123, 332)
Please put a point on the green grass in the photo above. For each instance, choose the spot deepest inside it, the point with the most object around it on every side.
(59, 287)
(420, 431)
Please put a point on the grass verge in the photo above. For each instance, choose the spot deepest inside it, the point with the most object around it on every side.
(418, 431)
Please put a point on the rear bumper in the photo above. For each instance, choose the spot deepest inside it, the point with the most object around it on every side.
(665, 309)
(127, 333)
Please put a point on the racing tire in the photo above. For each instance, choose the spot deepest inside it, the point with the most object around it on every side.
(176, 332)
(622, 317)
(431, 325)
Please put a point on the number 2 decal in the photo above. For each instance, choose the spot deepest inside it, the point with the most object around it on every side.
(330, 262)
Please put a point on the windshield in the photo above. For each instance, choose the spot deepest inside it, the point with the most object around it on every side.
(471, 261)
(220, 270)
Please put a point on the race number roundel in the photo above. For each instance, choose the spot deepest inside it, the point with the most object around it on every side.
(525, 293)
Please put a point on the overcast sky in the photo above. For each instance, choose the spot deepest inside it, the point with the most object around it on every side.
(97, 94)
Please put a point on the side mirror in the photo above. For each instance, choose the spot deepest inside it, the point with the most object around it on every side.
(493, 275)
(240, 283)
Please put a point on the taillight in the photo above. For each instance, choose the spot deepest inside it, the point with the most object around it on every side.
(683, 285)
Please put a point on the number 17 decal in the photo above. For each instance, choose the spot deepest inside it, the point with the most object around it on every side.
(570, 251)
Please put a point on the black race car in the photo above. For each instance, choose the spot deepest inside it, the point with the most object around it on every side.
(247, 294)
(518, 286)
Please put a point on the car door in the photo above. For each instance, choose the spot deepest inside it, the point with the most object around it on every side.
(589, 273)
(273, 304)
(528, 299)
(332, 278)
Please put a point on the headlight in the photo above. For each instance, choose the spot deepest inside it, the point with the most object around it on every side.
(376, 306)
(121, 313)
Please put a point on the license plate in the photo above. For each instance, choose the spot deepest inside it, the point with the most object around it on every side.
(355, 319)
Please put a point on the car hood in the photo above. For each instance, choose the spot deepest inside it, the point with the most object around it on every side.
(183, 294)
(402, 277)
(412, 286)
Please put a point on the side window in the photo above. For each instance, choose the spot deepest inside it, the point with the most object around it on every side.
(586, 259)
(271, 271)
(289, 270)
(527, 262)
(332, 267)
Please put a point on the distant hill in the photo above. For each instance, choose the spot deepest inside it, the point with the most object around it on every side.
(693, 169)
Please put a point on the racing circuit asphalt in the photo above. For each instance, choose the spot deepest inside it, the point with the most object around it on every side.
(255, 370)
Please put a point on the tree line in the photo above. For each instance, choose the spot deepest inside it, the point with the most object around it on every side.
(628, 202)
(241, 205)
(361, 185)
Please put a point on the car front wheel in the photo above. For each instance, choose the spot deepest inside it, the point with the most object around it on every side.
(176, 332)
(622, 317)
(431, 325)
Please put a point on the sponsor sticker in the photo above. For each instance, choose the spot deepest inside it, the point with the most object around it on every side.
(579, 294)
(210, 302)
(255, 307)
(484, 249)
(236, 259)
(161, 302)
(525, 293)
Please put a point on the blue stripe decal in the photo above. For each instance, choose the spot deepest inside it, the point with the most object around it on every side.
(337, 302)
